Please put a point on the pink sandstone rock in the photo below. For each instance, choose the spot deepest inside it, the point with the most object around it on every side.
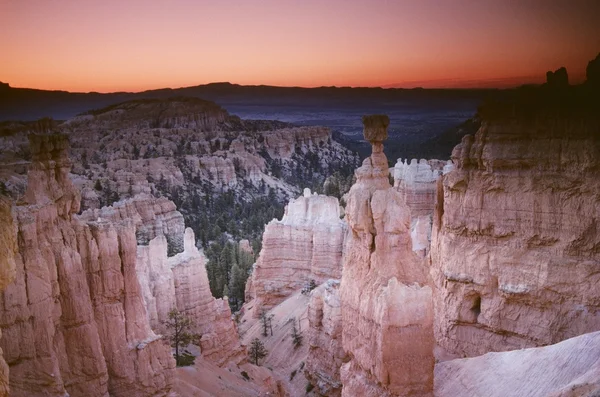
(417, 184)
(326, 354)
(8, 248)
(152, 217)
(73, 319)
(515, 246)
(212, 317)
(305, 244)
(567, 369)
(386, 302)
(181, 282)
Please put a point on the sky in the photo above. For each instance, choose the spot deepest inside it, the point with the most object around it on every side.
(134, 45)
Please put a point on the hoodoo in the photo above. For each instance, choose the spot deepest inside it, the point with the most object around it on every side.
(74, 320)
(387, 307)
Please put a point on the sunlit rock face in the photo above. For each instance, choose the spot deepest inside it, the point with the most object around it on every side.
(417, 184)
(306, 244)
(181, 282)
(74, 321)
(8, 248)
(515, 251)
(386, 302)
(211, 317)
(151, 216)
(326, 354)
(568, 369)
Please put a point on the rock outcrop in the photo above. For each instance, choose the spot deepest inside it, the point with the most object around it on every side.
(417, 184)
(212, 317)
(387, 308)
(181, 282)
(306, 244)
(567, 369)
(74, 320)
(150, 215)
(326, 354)
(8, 248)
(516, 239)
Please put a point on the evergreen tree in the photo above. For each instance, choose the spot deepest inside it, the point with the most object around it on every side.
(296, 335)
(178, 326)
(257, 351)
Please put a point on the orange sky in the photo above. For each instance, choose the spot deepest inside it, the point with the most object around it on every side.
(132, 45)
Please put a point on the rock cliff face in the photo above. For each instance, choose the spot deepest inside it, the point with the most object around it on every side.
(387, 308)
(74, 320)
(417, 184)
(8, 247)
(567, 369)
(516, 242)
(150, 215)
(326, 353)
(305, 244)
(181, 282)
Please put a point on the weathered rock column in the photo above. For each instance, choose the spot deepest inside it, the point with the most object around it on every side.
(387, 307)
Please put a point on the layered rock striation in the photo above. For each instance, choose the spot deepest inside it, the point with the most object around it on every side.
(150, 215)
(8, 248)
(326, 354)
(516, 242)
(74, 321)
(386, 302)
(417, 183)
(306, 244)
(181, 282)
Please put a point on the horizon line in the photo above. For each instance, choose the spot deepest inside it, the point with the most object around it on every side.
(444, 84)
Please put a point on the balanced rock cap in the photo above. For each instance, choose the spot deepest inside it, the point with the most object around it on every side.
(375, 127)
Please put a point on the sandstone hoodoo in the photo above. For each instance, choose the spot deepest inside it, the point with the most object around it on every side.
(386, 302)
(74, 320)
(515, 255)
(306, 244)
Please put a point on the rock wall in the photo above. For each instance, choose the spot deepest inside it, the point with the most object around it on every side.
(387, 308)
(8, 247)
(326, 354)
(181, 282)
(151, 216)
(417, 184)
(305, 244)
(73, 319)
(516, 242)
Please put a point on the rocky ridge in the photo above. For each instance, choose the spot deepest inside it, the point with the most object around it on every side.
(306, 244)
(515, 248)
(74, 320)
(179, 281)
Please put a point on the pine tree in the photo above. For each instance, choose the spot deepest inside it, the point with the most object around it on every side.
(178, 325)
(257, 351)
(264, 319)
(296, 335)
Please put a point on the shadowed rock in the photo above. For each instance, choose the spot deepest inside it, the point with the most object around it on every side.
(375, 127)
